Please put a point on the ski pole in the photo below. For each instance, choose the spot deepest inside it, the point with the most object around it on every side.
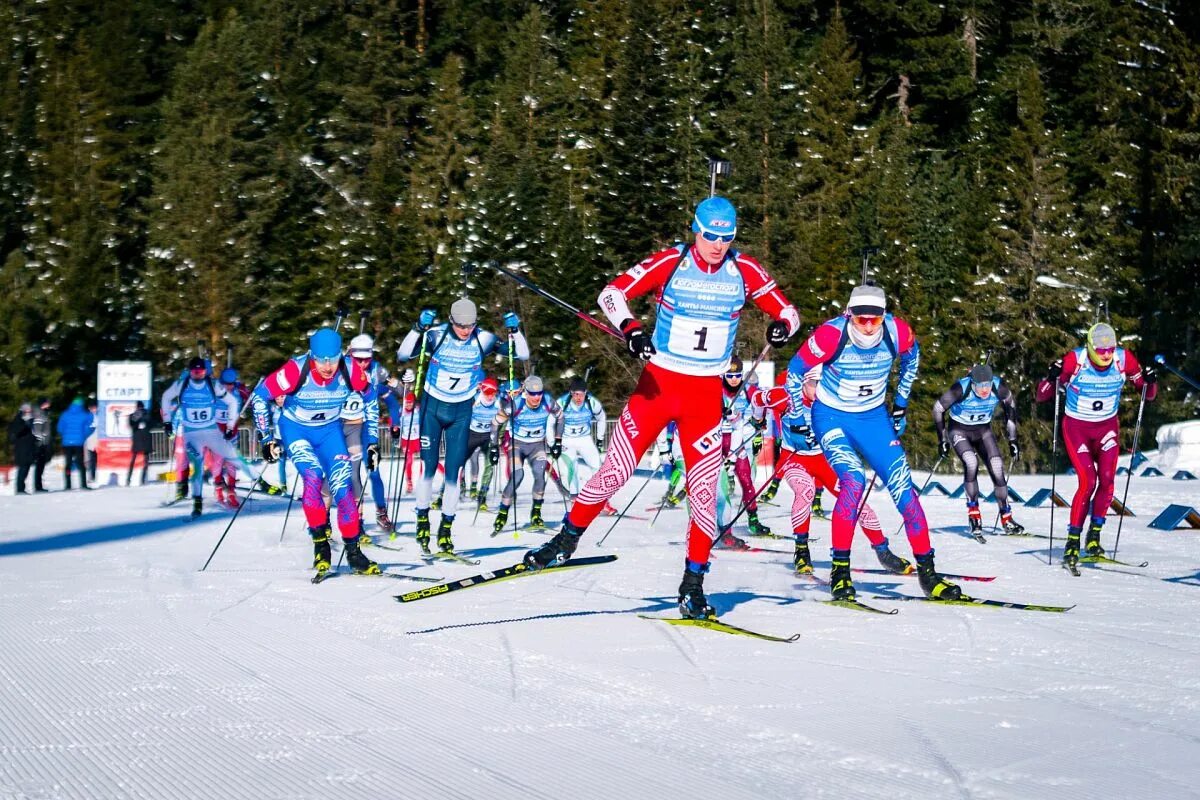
(1163, 363)
(632, 500)
(512, 438)
(558, 302)
(291, 500)
(1053, 474)
(413, 416)
(747, 501)
(236, 514)
(1137, 429)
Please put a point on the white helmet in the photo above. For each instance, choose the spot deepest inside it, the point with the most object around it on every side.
(362, 346)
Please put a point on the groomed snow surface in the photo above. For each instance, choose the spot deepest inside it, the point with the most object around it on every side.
(127, 673)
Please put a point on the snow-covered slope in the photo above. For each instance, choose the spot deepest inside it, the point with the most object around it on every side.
(126, 673)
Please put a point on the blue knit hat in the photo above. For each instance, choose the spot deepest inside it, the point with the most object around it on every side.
(325, 343)
(715, 215)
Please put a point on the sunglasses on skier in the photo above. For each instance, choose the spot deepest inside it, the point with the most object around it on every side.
(1105, 351)
(723, 238)
(326, 362)
(732, 375)
(534, 394)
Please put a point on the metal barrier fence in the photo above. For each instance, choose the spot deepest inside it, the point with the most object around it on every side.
(247, 444)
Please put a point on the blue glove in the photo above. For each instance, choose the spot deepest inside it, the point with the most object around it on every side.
(512, 321)
(899, 421)
(426, 320)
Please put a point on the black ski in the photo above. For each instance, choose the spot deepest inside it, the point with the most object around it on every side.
(721, 627)
(323, 575)
(913, 571)
(517, 570)
(859, 606)
(977, 601)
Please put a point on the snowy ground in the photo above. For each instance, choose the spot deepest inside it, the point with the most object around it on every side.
(126, 673)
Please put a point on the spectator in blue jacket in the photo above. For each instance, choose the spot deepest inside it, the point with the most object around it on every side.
(75, 426)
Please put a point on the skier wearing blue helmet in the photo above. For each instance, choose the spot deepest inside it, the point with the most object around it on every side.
(314, 388)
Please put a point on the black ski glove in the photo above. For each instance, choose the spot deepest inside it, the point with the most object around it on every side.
(637, 341)
(777, 333)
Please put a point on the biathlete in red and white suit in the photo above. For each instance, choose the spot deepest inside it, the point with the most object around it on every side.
(804, 467)
(700, 289)
(315, 387)
(1092, 378)
(850, 417)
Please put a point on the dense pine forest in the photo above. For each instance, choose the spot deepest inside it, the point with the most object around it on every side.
(235, 171)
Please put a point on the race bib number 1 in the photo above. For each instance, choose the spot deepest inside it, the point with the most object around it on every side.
(702, 339)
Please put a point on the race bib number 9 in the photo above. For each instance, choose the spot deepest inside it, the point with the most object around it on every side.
(703, 339)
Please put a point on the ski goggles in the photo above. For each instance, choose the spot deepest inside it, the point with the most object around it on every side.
(323, 361)
(723, 238)
(867, 320)
(1104, 351)
(733, 376)
(535, 394)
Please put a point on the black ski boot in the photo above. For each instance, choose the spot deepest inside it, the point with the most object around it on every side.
(1070, 554)
(1011, 527)
(423, 529)
(384, 521)
(841, 586)
(890, 561)
(692, 602)
(1094, 550)
(501, 519)
(197, 506)
(817, 511)
(535, 515)
(181, 489)
(934, 585)
(444, 542)
(975, 520)
(322, 558)
(756, 527)
(436, 505)
(557, 550)
(357, 561)
(802, 560)
(772, 490)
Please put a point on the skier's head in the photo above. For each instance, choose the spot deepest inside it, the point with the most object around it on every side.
(715, 226)
(229, 376)
(362, 348)
(534, 390)
(1101, 344)
(812, 379)
(578, 389)
(197, 369)
(325, 350)
(733, 373)
(981, 380)
(866, 308)
(410, 400)
(488, 389)
(463, 316)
